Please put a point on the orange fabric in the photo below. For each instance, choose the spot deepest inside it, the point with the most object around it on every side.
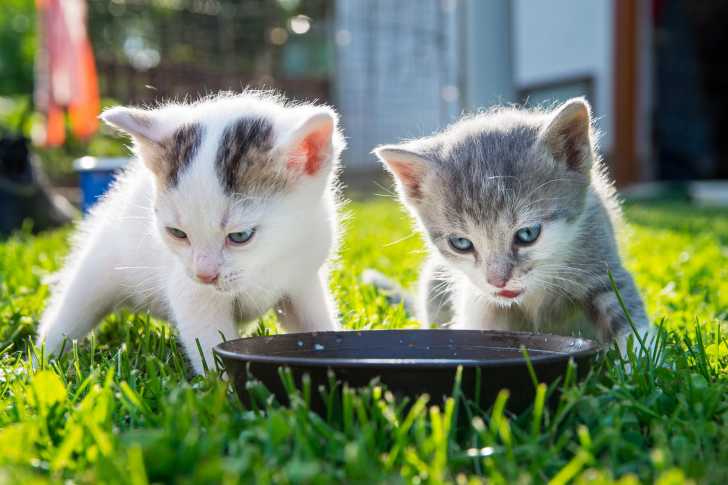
(55, 126)
(65, 70)
(84, 108)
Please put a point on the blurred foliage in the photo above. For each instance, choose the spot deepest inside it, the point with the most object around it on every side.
(179, 47)
(17, 46)
(17, 51)
(233, 35)
(139, 32)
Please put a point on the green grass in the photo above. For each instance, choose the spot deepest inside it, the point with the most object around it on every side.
(121, 408)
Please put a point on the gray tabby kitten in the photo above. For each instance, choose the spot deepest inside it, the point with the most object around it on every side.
(520, 217)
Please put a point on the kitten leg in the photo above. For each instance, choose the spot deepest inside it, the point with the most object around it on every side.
(607, 314)
(200, 313)
(434, 305)
(308, 307)
(86, 292)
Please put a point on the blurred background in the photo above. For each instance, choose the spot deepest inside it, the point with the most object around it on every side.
(654, 71)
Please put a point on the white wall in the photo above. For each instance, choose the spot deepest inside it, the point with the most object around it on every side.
(486, 62)
(559, 39)
(396, 59)
(396, 72)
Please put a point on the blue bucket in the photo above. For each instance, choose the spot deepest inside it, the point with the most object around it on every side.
(95, 177)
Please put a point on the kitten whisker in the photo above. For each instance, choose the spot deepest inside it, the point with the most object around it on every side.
(409, 236)
(441, 288)
(565, 270)
(140, 290)
(526, 207)
(548, 182)
(388, 190)
(549, 286)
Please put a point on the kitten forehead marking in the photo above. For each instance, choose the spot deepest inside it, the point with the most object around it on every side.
(179, 150)
(243, 158)
(491, 168)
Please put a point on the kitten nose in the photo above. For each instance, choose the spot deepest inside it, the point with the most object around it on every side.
(497, 281)
(207, 278)
(498, 273)
(207, 266)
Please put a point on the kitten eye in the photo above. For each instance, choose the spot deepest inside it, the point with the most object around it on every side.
(527, 235)
(241, 237)
(176, 233)
(460, 244)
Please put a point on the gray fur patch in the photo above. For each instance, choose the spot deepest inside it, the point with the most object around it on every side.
(243, 160)
(488, 169)
(177, 152)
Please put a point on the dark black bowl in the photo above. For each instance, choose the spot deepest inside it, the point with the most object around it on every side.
(408, 362)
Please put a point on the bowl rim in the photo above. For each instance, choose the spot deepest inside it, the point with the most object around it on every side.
(592, 348)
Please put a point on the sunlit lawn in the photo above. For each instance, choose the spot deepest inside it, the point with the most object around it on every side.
(121, 408)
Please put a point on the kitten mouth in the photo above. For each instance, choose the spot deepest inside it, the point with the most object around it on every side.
(509, 293)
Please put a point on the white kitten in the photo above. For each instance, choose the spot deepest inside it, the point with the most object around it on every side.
(231, 211)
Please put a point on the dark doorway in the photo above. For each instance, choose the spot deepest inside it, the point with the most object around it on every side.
(691, 89)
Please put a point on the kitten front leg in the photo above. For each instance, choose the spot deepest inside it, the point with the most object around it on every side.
(86, 292)
(200, 313)
(308, 307)
(606, 313)
(471, 313)
(434, 306)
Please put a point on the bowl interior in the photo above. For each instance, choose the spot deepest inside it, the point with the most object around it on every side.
(405, 347)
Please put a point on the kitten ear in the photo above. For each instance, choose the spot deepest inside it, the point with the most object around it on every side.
(568, 135)
(311, 145)
(138, 123)
(165, 148)
(409, 168)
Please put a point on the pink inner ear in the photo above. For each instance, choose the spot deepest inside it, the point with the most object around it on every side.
(409, 174)
(311, 151)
